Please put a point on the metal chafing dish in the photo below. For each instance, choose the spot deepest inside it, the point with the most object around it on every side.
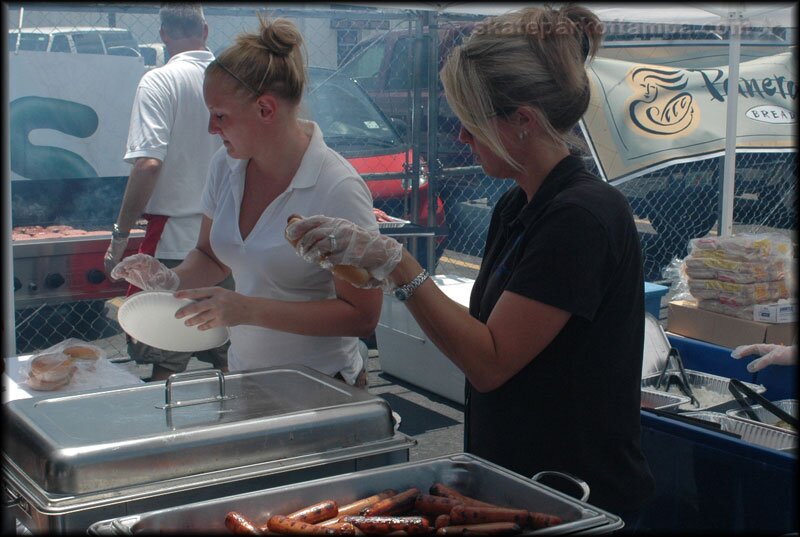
(661, 400)
(716, 385)
(469, 474)
(74, 459)
(750, 431)
(767, 418)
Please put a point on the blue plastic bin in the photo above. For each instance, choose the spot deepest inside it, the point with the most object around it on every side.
(652, 298)
(707, 481)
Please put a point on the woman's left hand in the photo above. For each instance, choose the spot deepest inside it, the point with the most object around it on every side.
(214, 306)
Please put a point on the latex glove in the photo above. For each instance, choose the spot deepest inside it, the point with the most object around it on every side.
(770, 354)
(147, 273)
(116, 249)
(351, 245)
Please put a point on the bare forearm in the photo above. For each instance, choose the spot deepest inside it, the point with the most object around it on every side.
(332, 317)
(467, 342)
(200, 270)
(138, 191)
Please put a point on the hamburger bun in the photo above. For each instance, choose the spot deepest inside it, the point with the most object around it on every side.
(53, 367)
(81, 352)
(355, 275)
(45, 386)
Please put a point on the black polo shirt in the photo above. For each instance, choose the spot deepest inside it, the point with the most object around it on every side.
(575, 406)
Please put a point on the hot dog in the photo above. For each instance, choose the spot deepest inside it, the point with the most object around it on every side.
(442, 521)
(284, 524)
(357, 506)
(398, 504)
(466, 514)
(386, 524)
(239, 524)
(440, 489)
(318, 512)
(493, 528)
(355, 275)
(428, 504)
(542, 520)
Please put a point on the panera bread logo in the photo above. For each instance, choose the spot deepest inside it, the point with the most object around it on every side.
(660, 106)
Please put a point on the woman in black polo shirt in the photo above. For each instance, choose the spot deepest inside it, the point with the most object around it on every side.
(552, 344)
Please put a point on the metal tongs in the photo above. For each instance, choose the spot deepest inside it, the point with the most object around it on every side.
(668, 378)
(738, 388)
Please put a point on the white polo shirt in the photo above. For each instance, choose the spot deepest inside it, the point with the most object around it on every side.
(169, 122)
(266, 265)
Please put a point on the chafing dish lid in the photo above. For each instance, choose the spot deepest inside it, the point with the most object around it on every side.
(104, 439)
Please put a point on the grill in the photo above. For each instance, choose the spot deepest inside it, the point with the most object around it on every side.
(66, 269)
(60, 287)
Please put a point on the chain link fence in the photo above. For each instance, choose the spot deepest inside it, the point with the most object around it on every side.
(404, 143)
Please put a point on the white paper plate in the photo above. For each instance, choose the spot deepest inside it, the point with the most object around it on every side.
(149, 317)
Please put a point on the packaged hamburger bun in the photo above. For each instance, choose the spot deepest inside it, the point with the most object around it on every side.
(55, 367)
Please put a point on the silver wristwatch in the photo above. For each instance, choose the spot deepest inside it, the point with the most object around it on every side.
(117, 233)
(404, 292)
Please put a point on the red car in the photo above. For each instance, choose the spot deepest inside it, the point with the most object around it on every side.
(355, 127)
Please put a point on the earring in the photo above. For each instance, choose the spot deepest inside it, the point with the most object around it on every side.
(523, 135)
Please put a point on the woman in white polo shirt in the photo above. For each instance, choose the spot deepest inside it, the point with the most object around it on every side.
(272, 165)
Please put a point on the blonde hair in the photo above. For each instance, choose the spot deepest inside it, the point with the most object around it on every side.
(270, 60)
(533, 57)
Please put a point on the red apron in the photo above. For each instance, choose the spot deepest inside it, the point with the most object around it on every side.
(155, 227)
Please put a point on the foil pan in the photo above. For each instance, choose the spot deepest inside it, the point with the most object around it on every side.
(769, 437)
(661, 400)
(715, 384)
(767, 418)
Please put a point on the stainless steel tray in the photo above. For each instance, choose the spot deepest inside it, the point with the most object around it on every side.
(770, 437)
(767, 418)
(713, 383)
(125, 452)
(96, 440)
(661, 400)
(469, 474)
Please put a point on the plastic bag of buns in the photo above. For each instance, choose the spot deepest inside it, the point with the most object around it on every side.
(58, 366)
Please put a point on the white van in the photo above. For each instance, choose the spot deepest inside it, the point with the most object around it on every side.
(76, 40)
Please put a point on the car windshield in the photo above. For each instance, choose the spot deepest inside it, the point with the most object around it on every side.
(350, 122)
(28, 41)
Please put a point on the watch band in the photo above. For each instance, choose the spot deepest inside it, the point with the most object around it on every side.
(117, 233)
(404, 292)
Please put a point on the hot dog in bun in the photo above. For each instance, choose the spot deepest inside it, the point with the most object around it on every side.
(356, 275)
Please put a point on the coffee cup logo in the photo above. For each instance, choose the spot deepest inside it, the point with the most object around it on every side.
(659, 105)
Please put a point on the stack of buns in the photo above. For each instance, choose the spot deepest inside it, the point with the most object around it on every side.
(53, 370)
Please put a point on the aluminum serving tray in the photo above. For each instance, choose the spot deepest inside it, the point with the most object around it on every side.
(767, 418)
(770, 437)
(712, 383)
(471, 475)
(661, 400)
(73, 459)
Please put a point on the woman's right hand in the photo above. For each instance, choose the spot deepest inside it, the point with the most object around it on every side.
(146, 273)
(335, 241)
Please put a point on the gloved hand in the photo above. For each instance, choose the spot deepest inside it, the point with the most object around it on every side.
(771, 354)
(116, 249)
(336, 241)
(146, 273)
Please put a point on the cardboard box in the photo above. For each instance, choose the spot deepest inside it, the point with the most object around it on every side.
(777, 312)
(686, 319)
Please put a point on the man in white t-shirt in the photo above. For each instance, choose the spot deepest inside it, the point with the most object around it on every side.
(170, 148)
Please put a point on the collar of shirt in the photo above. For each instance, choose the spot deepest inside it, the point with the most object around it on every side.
(518, 212)
(203, 56)
(310, 166)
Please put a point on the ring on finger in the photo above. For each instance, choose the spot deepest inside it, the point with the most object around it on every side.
(332, 238)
